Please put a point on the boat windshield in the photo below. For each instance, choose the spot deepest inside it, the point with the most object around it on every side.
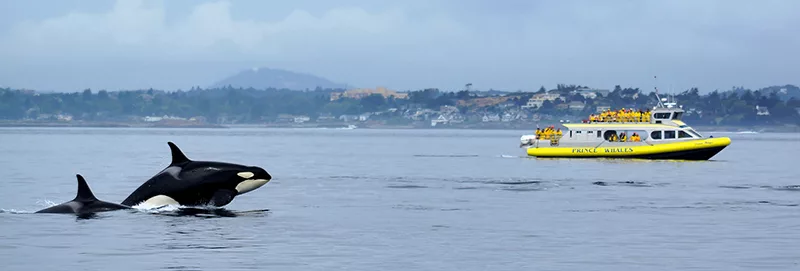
(694, 133)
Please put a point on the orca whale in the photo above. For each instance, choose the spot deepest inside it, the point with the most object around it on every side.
(195, 183)
(84, 203)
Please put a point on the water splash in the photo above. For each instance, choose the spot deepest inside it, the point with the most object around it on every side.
(205, 211)
(157, 209)
(46, 203)
(14, 211)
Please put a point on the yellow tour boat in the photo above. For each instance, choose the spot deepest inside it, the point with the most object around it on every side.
(654, 134)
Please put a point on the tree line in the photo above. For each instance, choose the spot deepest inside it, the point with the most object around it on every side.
(733, 107)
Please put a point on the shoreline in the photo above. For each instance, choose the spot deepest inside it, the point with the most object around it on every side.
(363, 125)
(102, 125)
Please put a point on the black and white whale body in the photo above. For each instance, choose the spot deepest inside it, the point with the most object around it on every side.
(84, 203)
(197, 183)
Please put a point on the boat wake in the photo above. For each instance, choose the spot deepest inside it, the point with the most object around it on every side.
(465, 155)
(734, 132)
(445, 155)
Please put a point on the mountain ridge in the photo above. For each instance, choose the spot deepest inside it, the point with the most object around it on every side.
(265, 77)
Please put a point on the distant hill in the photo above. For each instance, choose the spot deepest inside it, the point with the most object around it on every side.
(264, 78)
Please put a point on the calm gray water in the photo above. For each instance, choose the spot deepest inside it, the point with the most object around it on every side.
(401, 200)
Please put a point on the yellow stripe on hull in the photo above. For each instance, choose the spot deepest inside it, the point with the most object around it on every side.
(694, 148)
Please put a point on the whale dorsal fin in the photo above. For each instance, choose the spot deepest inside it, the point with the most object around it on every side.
(84, 193)
(177, 155)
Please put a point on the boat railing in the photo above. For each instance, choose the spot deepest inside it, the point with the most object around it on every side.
(617, 122)
(553, 138)
(549, 137)
(620, 116)
(641, 119)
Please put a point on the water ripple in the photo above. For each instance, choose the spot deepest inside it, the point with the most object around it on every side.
(406, 186)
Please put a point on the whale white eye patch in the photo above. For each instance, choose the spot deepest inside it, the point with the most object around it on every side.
(246, 174)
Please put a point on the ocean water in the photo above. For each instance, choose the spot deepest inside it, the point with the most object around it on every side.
(400, 200)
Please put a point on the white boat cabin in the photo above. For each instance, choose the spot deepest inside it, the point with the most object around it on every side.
(663, 125)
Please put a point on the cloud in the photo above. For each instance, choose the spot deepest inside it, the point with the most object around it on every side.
(507, 44)
(137, 29)
(79, 47)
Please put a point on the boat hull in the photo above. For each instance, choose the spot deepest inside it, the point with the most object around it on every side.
(700, 149)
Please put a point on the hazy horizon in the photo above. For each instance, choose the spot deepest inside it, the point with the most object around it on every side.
(507, 44)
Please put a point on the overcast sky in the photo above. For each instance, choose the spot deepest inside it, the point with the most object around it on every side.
(410, 44)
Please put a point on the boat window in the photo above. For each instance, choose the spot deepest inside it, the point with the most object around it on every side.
(655, 135)
(599, 134)
(669, 134)
(694, 133)
(640, 133)
(682, 134)
(577, 132)
(570, 133)
(662, 115)
(677, 115)
(590, 132)
(607, 134)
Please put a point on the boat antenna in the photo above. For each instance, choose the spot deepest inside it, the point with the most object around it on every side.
(658, 98)
(672, 94)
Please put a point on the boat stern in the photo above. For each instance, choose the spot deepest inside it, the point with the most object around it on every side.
(526, 140)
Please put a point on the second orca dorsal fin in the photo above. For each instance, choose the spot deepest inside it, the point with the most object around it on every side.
(84, 193)
(177, 155)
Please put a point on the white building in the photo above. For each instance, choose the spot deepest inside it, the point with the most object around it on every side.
(439, 120)
(301, 119)
(490, 118)
(577, 106)
(537, 100)
(762, 111)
